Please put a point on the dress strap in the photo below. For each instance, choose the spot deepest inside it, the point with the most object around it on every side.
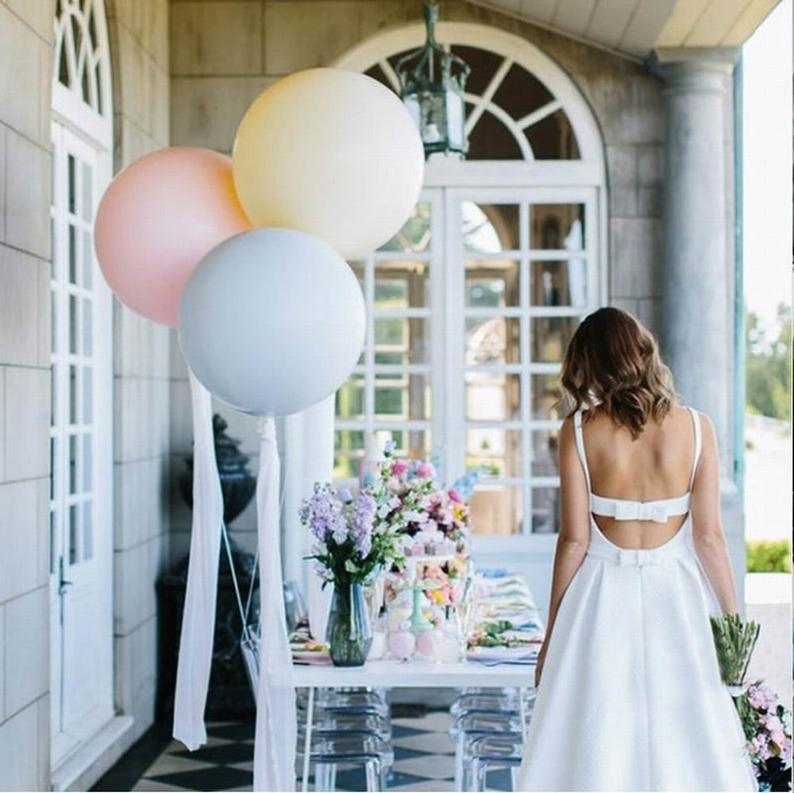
(698, 443)
(577, 431)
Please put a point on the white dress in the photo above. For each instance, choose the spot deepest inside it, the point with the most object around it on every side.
(631, 696)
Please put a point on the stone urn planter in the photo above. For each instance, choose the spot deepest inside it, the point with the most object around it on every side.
(237, 483)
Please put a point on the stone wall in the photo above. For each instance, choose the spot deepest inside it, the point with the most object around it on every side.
(139, 45)
(139, 50)
(25, 251)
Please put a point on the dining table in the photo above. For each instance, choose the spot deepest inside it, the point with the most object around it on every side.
(487, 671)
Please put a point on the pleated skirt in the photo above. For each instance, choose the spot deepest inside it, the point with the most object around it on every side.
(631, 697)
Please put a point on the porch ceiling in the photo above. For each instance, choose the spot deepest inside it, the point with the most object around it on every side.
(638, 27)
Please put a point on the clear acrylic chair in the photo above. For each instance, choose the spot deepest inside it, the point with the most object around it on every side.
(352, 720)
(332, 750)
(468, 728)
(492, 752)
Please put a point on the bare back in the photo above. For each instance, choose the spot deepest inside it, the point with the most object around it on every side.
(655, 466)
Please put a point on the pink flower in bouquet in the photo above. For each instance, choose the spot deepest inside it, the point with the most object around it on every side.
(455, 496)
(425, 470)
(771, 722)
(399, 467)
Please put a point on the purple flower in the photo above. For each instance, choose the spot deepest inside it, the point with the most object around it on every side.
(361, 522)
(322, 513)
(345, 495)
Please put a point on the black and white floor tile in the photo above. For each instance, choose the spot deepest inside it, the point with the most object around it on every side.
(423, 760)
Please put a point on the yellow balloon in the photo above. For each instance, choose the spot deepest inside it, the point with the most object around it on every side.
(331, 153)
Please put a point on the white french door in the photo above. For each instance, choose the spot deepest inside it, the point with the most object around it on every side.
(470, 309)
(521, 271)
(81, 526)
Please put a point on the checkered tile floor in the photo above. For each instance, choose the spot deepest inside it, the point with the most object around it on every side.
(422, 749)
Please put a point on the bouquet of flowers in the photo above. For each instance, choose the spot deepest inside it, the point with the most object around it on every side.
(767, 728)
(433, 520)
(352, 540)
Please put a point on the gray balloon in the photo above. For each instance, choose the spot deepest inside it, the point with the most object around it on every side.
(272, 321)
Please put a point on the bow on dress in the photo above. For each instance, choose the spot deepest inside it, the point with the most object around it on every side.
(641, 510)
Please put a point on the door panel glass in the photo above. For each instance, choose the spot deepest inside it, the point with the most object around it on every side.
(402, 396)
(492, 396)
(401, 340)
(544, 453)
(88, 260)
(349, 453)
(492, 283)
(546, 393)
(401, 284)
(559, 283)
(550, 337)
(492, 340)
(490, 228)
(497, 509)
(545, 509)
(350, 398)
(495, 451)
(88, 532)
(556, 227)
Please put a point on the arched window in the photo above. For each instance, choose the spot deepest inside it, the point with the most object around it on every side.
(472, 304)
(511, 115)
(81, 524)
(81, 84)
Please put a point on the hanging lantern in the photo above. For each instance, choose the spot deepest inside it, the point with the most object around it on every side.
(432, 82)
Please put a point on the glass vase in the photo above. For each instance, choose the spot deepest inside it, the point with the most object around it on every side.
(348, 634)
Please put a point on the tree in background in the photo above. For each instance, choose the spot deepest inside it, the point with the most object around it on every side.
(769, 365)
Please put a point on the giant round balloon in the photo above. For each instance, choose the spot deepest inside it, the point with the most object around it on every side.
(157, 219)
(332, 153)
(272, 321)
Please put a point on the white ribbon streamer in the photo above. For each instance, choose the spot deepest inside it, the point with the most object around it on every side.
(276, 720)
(198, 619)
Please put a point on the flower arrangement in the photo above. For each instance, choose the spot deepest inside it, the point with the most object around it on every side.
(352, 541)
(433, 520)
(767, 728)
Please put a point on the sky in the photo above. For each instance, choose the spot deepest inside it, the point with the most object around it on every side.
(767, 175)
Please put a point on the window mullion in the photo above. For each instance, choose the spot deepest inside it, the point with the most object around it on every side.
(370, 452)
(526, 436)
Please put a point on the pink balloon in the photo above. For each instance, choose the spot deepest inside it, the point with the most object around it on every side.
(157, 220)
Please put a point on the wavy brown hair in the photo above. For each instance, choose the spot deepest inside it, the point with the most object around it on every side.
(613, 359)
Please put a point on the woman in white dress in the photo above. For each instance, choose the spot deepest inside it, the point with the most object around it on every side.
(629, 690)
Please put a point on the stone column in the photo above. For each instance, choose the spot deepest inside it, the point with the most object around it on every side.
(698, 278)
(696, 311)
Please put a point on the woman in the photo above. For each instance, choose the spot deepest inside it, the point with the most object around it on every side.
(629, 689)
